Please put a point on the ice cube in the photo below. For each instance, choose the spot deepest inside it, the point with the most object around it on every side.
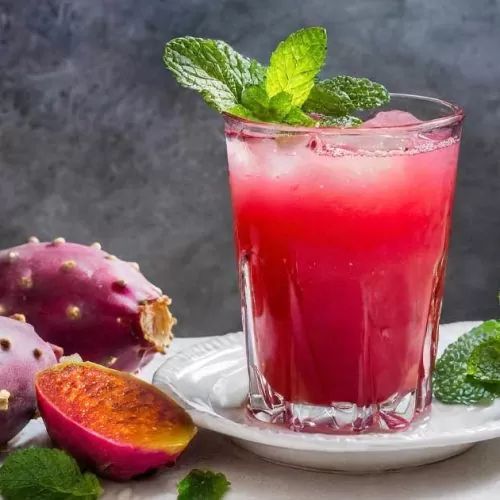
(393, 118)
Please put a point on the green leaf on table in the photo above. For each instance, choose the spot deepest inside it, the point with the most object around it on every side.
(295, 64)
(452, 383)
(484, 362)
(203, 485)
(212, 68)
(45, 474)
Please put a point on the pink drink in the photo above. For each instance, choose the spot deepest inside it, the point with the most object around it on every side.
(341, 242)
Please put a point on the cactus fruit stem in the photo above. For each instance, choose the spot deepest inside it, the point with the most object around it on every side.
(33, 239)
(58, 241)
(156, 322)
(19, 317)
(73, 312)
(4, 400)
(96, 245)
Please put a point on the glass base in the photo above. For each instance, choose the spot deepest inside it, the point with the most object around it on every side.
(394, 414)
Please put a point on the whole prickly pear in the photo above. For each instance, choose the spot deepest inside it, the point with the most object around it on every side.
(22, 354)
(86, 301)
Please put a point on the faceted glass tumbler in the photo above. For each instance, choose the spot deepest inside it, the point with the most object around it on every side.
(341, 239)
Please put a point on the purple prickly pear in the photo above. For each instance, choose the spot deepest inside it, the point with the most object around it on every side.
(22, 354)
(86, 301)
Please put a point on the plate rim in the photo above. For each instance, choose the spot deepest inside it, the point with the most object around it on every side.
(283, 438)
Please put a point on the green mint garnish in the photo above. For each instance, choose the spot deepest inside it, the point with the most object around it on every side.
(326, 99)
(287, 91)
(255, 99)
(363, 93)
(340, 121)
(203, 485)
(295, 63)
(212, 68)
(257, 105)
(45, 474)
(280, 106)
(342, 95)
(484, 362)
(452, 381)
(298, 117)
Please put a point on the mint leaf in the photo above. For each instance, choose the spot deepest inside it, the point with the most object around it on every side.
(452, 384)
(297, 117)
(340, 121)
(484, 362)
(295, 63)
(203, 485)
(255, 99)
(363, 93)
(325, 98)
(280, 106)
(45, 474)
(212, 68)
(240, 110)
(256, 102)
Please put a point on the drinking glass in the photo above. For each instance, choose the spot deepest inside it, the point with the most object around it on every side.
(342, 239)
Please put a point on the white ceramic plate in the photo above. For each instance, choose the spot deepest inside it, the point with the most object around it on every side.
(210, 380)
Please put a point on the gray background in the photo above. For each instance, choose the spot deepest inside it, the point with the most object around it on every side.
(98, 143)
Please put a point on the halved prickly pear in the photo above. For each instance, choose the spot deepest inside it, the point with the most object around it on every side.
(86, 301)
(111, 421)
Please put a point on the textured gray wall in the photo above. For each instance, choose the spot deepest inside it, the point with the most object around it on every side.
(97, 142)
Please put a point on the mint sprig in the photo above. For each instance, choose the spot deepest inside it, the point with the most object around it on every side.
(287, 91)
(203, 485)
(484, 361)
(46, 474)
(452, 380)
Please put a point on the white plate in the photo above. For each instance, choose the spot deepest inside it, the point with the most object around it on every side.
(210, 380)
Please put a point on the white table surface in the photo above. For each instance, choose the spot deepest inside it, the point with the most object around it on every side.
(473, 475)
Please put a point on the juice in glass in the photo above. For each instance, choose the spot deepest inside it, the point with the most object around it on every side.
(341, 238)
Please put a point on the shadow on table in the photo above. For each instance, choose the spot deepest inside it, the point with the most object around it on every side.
(467, 476)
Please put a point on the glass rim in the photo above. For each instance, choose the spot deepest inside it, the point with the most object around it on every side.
(456, 115)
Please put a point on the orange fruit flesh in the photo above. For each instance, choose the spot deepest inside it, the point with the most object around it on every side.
(117, 406)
